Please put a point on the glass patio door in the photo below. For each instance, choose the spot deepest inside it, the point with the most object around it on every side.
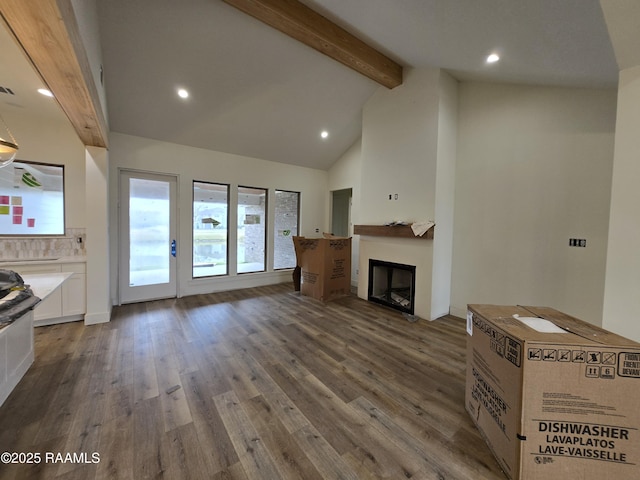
(148, 248)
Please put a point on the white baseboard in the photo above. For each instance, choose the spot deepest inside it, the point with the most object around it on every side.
(96, 318)
(458, 312)
(236, 282)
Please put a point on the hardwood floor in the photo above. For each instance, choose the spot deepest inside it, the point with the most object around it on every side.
(252, 384)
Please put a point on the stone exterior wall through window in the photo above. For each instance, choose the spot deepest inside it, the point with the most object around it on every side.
(285, 228)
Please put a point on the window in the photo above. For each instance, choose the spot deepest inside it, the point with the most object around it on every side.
(31, 199)
(210, 229)
(149, 231)
(287, 208)
(252, 229)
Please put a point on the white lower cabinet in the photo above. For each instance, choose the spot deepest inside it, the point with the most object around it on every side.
(16, 353)
(74, 298)
(67, 303)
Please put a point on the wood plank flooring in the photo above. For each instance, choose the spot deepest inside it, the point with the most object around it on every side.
(256, 384)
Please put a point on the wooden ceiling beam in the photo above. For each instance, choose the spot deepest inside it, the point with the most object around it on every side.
(48, 32)
(309, 27)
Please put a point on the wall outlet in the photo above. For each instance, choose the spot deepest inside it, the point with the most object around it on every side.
(577, 242)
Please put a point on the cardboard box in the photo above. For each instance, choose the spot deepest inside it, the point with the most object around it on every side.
(553, 396)
(325, 266)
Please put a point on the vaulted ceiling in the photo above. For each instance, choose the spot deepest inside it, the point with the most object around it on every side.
(257, 92)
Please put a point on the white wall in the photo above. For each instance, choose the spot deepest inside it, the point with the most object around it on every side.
(188, 163)
(622, 288)
(399, 150)
(346, 173)
(50, 140)
(534, 168)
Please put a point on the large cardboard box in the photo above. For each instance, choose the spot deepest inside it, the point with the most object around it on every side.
(553, 396)
(325, 266)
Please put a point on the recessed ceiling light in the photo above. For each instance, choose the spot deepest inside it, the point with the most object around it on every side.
(182, 93)
(324, 134)
(493, 58)
(45, 92)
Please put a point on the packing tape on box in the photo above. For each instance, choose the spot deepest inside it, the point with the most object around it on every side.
(540, 324)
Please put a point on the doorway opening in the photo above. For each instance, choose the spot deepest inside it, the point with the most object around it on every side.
(341, 212)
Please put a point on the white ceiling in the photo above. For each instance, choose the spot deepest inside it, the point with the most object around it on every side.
(256, 92)
(19, 76)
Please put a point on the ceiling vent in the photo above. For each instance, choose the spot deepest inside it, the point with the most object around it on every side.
(6, 90)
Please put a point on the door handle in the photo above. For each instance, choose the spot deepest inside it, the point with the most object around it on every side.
(173, 248)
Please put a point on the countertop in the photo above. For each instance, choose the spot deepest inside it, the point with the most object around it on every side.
(44, 284)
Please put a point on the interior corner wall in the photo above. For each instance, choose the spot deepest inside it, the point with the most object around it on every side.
(534, 169)
(444, 196)
(622, 284)
(97, 236)
(345, 173)
(190, 163)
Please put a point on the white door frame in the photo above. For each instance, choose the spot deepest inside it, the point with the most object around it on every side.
(126, 293)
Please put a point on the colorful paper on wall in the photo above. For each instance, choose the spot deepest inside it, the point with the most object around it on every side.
(30, 192)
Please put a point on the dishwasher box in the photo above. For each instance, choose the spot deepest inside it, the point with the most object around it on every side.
(553, 396)
(325, 266)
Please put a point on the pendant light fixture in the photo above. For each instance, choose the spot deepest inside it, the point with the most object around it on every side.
(8, 147)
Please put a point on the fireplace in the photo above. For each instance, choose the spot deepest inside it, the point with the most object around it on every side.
(392, 284)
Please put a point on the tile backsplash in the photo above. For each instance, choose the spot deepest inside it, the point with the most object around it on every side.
(44, 247)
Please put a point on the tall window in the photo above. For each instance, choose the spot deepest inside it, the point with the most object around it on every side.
(287, 210)
(210, 233)
(252, 229)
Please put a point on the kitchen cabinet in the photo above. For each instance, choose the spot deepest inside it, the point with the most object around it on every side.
(16, 353)
(66, 304)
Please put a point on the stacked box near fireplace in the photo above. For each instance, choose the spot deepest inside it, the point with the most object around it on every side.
(325, 265)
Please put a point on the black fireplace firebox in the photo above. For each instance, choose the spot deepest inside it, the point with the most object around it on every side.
(392, 284)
